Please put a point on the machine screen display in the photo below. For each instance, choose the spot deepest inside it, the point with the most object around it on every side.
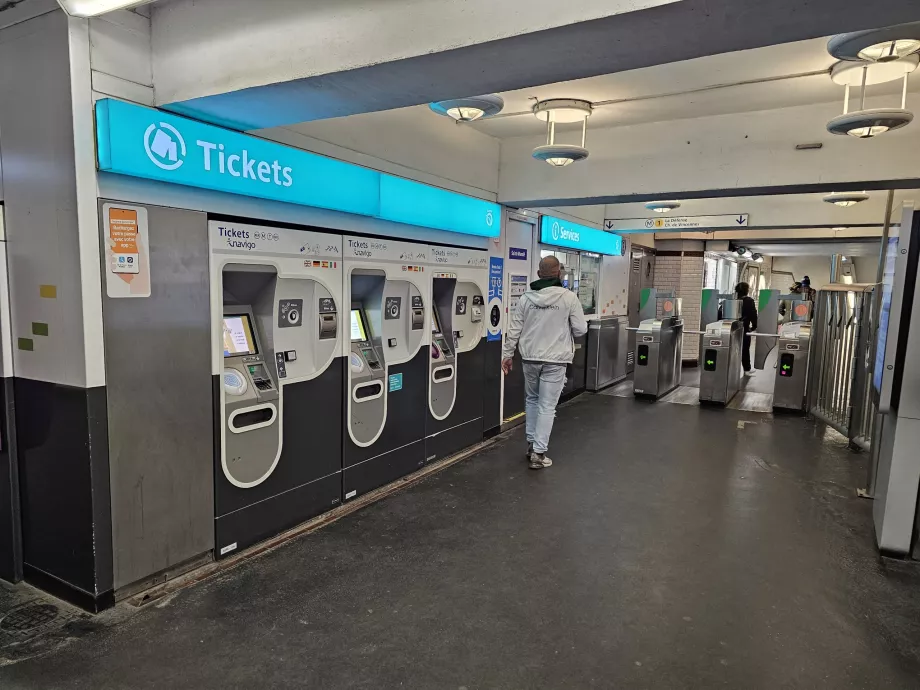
(711, 360)
(643, 355)
(786, 364)
(358, 331)
(238, 336)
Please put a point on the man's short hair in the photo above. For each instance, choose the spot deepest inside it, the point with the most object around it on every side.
(549, 267)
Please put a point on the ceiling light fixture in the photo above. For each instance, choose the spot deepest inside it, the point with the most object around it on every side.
(757, 258)
(877, 45)
(562, 110)
(662, 206)
(867, 123)
(469, 109)
(93, 8)
(845, 199)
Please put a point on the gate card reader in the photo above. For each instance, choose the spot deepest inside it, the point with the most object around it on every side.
(720, 378)
(792, 366)
(659, 344)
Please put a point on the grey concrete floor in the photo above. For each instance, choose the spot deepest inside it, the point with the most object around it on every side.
(668, 547)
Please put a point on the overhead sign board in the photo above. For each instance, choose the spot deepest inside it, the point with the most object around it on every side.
(562, 233)
(676, 223)
(147, 143)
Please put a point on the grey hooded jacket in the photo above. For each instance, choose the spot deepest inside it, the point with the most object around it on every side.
(544, 326)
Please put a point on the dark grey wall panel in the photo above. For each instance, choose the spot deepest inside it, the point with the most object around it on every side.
(64, 485)
(158, 373)
(10, 525)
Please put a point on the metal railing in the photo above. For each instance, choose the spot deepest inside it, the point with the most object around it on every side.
(840, 363)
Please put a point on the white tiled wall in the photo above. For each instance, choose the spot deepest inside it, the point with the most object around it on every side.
(684, 276)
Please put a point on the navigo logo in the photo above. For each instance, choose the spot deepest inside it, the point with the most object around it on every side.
(165, 146)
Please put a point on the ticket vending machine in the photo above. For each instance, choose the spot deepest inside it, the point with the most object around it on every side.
(456, 369)
(276, 325)
(385, 385)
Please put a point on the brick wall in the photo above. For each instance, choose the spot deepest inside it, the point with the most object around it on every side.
(682, 273)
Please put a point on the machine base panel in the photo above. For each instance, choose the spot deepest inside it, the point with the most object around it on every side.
(264, 520)
(376, 472)
(452, 441)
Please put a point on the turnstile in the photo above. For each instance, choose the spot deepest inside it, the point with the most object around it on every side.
(607, 341)
(658, 356)
(792, 366)
(720, 378)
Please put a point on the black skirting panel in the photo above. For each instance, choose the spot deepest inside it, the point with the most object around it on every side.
(400, 449)
(62, 445)
(306, 480)
(464, 425)
(492, 395)
(10, 523)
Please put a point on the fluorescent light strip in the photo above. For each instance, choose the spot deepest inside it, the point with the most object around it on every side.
(93, 8)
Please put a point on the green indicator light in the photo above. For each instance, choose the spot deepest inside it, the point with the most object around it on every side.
(709, 362)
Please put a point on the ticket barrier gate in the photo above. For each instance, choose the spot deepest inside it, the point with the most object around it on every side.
(792, 366)
(658, 357)
(720, 378)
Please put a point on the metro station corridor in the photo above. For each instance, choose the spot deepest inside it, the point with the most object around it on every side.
(670, 546)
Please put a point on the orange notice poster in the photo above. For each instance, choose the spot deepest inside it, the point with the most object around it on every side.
(123, 240)
(127, 251)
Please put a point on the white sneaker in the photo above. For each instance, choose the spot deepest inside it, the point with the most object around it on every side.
(751, 372)
(539, 461)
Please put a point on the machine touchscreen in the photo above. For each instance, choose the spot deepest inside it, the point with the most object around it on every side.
(238, 336)
(358, 329)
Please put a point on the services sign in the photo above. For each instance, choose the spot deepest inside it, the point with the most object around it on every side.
(562, 233)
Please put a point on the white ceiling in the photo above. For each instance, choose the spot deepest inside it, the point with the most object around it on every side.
(783, 211)
(760, 79)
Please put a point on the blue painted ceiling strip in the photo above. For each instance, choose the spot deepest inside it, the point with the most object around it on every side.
(151, 144)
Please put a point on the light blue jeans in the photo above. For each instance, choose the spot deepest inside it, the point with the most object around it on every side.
(543, 384)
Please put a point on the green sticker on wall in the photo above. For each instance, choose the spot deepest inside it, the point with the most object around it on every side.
(27, 344)
(39, 328)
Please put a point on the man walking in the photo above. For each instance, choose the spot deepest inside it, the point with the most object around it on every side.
(749, 321)
(544, 326)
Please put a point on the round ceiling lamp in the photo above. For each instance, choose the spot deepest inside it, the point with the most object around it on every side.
(562, 111)
(865, 124)
(845, 199)
(877, 45)
(757, 258)
(469, 109)
(662, 206)
(560, 155)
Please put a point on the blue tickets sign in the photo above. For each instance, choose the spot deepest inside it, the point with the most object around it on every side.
(151, 144)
